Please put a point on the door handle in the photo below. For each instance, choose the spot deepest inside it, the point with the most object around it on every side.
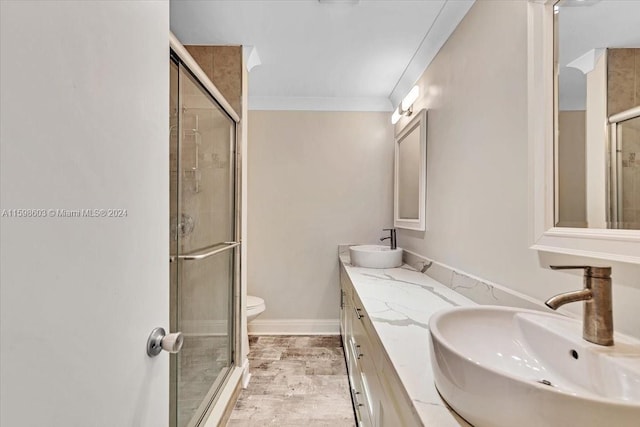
(358, 314)
(354, 397)
(159, 340)
(211, 251)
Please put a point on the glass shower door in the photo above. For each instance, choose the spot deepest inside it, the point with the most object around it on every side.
(625, 172)
(203, 230)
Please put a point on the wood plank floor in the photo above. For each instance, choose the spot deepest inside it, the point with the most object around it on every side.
(295, 381)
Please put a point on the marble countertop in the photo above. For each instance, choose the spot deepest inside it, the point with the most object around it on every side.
(400, 302)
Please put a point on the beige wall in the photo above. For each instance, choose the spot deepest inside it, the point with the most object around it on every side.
(571, 169)
(477, 204)
(316, 179)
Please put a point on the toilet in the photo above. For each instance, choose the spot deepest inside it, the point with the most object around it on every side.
(255, 306)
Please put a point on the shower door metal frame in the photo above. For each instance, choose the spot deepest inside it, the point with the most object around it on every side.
(616, 183)
(180, 56)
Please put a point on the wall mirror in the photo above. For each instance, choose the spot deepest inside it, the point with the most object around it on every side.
(597, 114)
(584, 132)
(411, 174)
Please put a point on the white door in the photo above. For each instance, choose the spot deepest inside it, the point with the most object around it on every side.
(85, 210)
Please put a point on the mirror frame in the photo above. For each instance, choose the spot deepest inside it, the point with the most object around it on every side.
(420, 120)
(606, 244)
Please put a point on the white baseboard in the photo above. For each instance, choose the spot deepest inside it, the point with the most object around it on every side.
(294, 327)
(246, 376)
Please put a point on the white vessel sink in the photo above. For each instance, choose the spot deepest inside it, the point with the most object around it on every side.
(375, 256)
(498, 366)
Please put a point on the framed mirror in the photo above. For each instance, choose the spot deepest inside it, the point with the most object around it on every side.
(583, 98)
(597, 76)
(410, 178)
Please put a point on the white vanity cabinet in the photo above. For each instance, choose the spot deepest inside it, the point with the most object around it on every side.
(378, 395)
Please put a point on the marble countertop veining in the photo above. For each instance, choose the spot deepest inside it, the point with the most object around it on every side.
(400, 302)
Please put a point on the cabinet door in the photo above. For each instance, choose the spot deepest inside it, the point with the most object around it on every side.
(374, 395)
(388, 415)
(358, 391)
(398, 409)
(364, 360)
(346, 310)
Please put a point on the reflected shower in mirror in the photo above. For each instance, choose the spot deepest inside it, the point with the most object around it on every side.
(597, 94)
(410, 174)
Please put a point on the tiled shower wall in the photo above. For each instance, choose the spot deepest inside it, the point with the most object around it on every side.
(623, 88)
(623, 79)
(223, 65)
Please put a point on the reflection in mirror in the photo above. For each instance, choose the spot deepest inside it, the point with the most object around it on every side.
(625, 167)
(410, 174)
(597, 87)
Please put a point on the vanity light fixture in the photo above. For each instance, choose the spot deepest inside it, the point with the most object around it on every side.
(395, 116)
(406, 106)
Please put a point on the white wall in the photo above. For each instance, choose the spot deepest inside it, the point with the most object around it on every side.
(316, 179)
(477, 195)
(596, 154)
(84, 124)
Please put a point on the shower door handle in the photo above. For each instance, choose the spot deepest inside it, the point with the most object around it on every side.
(202, 255)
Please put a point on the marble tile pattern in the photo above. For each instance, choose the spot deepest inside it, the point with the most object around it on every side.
(623, 79)
(223, 66)
(295, 381)
(400, 302)
(476, 289)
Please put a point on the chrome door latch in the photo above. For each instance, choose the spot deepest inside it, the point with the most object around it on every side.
(159, 340)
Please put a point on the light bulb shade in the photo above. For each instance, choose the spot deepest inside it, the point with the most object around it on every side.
(395, 116)
(411, 97)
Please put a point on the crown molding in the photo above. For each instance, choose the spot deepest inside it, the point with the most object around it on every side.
(294, 103)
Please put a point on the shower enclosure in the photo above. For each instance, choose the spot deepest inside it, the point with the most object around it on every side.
(624, 179)
(203, 250)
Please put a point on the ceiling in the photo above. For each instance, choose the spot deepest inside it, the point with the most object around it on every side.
(336, 55)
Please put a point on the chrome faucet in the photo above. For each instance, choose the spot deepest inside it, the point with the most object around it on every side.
(597, 324)
(392, 236)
